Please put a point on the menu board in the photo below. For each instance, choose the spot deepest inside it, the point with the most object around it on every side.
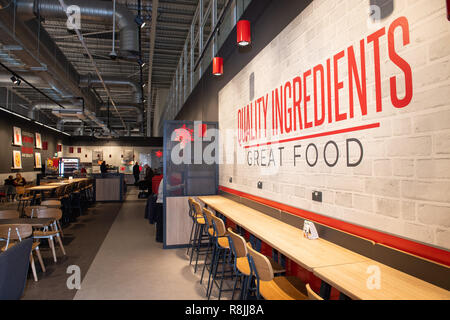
(17, 136)
(37, 160)
(17, 159)
(38, 141)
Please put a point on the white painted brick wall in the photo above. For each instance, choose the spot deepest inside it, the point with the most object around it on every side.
(402, 185)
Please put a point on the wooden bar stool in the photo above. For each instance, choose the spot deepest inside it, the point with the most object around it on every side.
(199, 232)
(221, 252)
(311, 294)
(270, 287)
(192, 216)
(241, 264)
(12, 233)
(207, 214)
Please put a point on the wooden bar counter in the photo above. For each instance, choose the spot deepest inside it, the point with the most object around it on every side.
(336, 266)
(283, 237)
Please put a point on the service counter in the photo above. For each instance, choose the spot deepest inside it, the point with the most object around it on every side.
(109, 187)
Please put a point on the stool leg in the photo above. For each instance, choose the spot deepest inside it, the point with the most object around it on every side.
(213, 274)
(211, 268)
(194, 242)
(235, 285)
(224, 263)
(190, 238)
(199, 243)
(206, 259)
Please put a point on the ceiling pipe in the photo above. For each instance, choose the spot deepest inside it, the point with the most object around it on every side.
(90, 10)
(83, 43)
(136, 109)
(60, 123)
(155, 4)
(51, 64)
(32, 113)
(93, 82)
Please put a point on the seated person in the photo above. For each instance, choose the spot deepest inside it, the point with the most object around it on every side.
(10, 188)
(20, 181)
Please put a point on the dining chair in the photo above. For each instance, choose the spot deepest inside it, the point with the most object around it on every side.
(52, 233)
(13, 233)
(9, 214)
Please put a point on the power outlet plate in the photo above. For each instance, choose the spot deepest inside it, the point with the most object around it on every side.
(317, 196)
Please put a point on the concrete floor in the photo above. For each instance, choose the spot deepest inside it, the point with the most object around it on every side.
(115, 248)
(132, 265)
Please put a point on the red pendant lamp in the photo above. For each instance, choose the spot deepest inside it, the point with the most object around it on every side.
(448, 10)
(244, 36)
(218, 66)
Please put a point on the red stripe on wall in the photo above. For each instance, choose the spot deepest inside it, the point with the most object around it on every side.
(418, 249)
(317, 135)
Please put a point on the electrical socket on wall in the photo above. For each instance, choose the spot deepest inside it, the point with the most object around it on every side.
(260, 185)
(317, 196)
(230, 180)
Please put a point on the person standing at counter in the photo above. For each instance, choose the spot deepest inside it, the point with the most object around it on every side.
(136, 172)
(159, 213)
(103, 168)
(148, 173)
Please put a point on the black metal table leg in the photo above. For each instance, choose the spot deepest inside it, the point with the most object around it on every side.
(325, 290)
(343, 297)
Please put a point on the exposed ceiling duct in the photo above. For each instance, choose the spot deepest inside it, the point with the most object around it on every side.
(91, 10)
(5, 79)
(132, 108)
(94, 82)
(48, 106)
(37, 45)
(69, 114)
(51, 64)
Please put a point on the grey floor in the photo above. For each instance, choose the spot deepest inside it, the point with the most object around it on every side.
(115, 248)
(132, 265)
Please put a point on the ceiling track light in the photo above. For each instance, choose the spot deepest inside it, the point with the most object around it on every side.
(15, 80)
(141, 63)
(140, 22)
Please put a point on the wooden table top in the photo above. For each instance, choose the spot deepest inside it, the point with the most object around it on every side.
(351, 279)
(283, 237)
(42, 188)
(35, 222)
(64, 182)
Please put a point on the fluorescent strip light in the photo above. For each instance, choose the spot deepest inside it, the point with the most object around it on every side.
(14, 113)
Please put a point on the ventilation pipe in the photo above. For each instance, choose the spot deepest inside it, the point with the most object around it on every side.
(58, 72)
(48, 106)
(136, 109)
(90, 10)
(89, 81)
(60, 123)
